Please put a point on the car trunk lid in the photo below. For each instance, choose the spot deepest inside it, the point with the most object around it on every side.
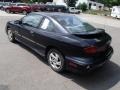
(97, 38)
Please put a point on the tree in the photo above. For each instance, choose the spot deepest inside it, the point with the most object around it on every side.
(71, 3)
(83, 7)
(109, 3)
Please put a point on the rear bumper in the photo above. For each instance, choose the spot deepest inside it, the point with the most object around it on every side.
(77, 64)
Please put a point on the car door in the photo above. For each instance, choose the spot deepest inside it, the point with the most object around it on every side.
(19, 7)
(44, 35)
(27, 28)
(13, 7)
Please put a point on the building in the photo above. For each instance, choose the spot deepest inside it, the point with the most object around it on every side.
(92, 4)
(60, 2)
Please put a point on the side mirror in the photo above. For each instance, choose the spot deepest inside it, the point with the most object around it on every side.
(18, 22)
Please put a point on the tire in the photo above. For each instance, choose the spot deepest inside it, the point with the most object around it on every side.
(117, 17)
(8, 11)
(59, 10)
(78, 12)
(24, 12)
(2, 9)
(56, 60)
(48, 9)
(11, 36)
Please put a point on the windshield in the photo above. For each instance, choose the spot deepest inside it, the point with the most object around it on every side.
(1, 3)
(21, 5)
(73, 24)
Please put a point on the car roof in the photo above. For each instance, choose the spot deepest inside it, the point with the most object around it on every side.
(50, 14)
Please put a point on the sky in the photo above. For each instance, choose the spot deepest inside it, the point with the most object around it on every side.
(81, 1)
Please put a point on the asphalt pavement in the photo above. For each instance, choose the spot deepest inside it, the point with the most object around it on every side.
(23, 69)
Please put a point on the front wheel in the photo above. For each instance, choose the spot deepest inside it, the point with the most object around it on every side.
(8, 11)
(56, 60)
(10, 36)
(117, 17)
(78, 12)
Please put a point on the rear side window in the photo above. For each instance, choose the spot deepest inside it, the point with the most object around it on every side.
(32, 20)
(47, 25)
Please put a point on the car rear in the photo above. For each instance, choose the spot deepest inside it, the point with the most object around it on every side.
(91, 47)
(35, 7)
(94, 55)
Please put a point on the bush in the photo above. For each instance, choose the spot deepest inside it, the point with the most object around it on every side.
(83, 7)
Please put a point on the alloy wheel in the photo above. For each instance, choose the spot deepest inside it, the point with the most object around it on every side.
(10, 36)
(56, 60)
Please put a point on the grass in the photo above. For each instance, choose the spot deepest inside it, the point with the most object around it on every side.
(98, 12)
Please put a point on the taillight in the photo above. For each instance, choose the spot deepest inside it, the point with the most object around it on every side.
(90, 50)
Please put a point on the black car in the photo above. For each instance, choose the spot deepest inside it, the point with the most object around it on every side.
(56, 8)
(63, 39)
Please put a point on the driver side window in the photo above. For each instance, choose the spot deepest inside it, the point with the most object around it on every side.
(32, 20)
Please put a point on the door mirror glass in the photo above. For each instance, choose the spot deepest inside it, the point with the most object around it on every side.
(18, 22)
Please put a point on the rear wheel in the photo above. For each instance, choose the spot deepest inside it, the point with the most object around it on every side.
(56, 60)
(48, 9)
(24, 12)
(59, 10)
(10, 35)
(78, 12)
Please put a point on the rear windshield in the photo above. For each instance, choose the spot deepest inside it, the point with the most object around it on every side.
(73, 24)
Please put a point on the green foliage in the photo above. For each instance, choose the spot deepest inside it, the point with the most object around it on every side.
(71, 3)
(83, 7)
(99, 12)
(109, 3)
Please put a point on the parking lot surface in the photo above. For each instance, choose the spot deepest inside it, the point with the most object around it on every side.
(23, 69)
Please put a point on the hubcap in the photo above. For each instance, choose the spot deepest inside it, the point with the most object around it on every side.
(24, 12)
(10, 35)
(55, 60)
